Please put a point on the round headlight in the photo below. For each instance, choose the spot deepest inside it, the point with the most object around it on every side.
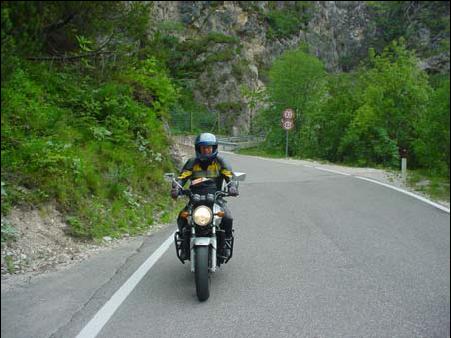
(202, 215)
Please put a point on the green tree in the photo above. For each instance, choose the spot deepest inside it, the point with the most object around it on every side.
(101, 32)
(297, 81)
(432, 145)
(94, 145)
(396, 19)
(394, 95)
(254, 99)
(337, 113)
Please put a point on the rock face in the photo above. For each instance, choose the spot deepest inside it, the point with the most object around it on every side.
(338, 32)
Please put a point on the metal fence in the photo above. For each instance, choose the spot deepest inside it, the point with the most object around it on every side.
(239, 142)
(225, 143)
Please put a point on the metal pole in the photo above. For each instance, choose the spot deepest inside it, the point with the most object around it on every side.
(403, 167)
(286, 144)
(218, 122)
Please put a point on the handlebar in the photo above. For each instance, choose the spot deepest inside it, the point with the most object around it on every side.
(221, 193)
(187, 192)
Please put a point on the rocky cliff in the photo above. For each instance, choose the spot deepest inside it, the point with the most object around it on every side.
(238, 40)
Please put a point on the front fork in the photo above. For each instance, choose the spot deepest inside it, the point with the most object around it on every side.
(210, 241)
(204, 241)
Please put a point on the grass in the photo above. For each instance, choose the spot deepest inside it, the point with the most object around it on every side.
(10, 264)
(437, 187)
(108, 179)
(257, 151)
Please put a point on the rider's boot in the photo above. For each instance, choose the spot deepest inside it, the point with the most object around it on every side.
(184, 252)
(228, 242)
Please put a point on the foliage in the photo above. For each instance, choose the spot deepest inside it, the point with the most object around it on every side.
(430, 183)
(9, 59)
(239, 68)
(254, 98)
(185, 61)
(86, 92)
(433, 142)
(363, 117)
(288, 21)
(99, 153)
(217, 37)
(409, 19)
(8, 232)
(53, 26)
(394, 94)
(149, 82)
(190, 116)
(98, 150)
(228, 113)
(261, 151)
(98, 36)
(297, 81)
(340, 108)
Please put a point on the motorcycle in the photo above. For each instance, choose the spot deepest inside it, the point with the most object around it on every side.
(207, 240)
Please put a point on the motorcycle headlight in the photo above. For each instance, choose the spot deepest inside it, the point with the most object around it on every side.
(202, 215)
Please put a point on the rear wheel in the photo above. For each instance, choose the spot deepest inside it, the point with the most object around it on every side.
(201, 273)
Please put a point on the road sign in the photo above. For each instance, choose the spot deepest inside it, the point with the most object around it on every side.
(288, 114)
(287, 124)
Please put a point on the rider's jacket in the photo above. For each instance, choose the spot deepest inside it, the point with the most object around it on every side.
(216, 170)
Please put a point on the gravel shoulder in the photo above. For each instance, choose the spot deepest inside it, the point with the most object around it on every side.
(388, 177)
(392, 178)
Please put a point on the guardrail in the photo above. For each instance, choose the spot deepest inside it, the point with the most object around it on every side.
(224, 143)
(239, 142)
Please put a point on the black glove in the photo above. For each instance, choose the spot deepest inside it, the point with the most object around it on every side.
(233, 190)
(175, 191)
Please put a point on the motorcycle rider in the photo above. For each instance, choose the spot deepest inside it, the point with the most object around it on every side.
(206, 164)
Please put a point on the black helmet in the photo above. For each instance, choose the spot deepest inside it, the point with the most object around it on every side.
(206, 139)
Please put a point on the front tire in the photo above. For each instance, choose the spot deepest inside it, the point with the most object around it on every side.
(201, 275)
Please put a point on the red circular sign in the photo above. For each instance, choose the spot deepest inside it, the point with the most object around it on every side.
(288, 114)
(287, 124)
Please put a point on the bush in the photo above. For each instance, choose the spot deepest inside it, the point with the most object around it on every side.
(432, 145)
(89, 147)
(287, 21)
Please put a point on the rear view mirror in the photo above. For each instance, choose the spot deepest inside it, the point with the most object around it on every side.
(168, 177)
(239, 176)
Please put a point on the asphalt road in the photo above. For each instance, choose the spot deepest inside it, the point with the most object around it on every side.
(317, 254)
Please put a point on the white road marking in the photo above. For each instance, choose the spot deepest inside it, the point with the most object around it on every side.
(406, 192)
(441, 207)
(96, 324)
(333, 171)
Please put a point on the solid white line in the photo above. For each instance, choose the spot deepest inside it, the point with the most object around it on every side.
(106, 312)
(438, 206)
(441, 207)
(333, 171)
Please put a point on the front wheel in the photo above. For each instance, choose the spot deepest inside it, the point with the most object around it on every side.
(201, 273)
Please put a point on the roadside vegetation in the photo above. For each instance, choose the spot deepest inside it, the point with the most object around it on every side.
(90, 91)
(361, 118)
(82, 120)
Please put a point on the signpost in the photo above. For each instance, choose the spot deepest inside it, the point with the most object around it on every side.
(287, 124)
(403, 154)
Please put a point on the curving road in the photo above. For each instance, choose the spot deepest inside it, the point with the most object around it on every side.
(317, 254)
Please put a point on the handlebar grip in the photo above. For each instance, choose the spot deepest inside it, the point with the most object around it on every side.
(185, 192)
